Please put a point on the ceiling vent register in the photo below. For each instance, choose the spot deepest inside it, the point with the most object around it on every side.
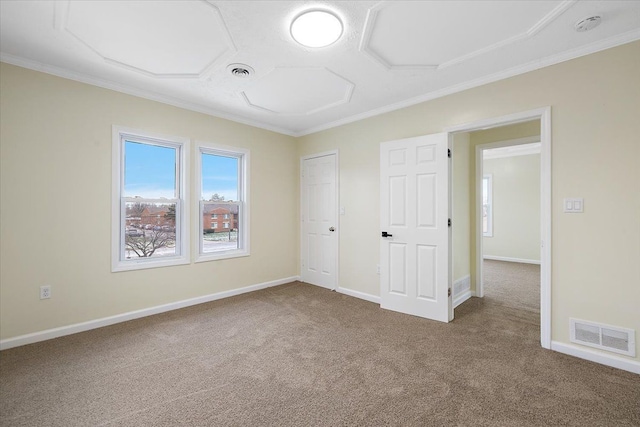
(240, 70)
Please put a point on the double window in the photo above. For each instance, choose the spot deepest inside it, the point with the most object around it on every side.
(150, 206)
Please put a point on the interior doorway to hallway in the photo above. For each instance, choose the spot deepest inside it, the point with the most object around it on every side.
(501, 213)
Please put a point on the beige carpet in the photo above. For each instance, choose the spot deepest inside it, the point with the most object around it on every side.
(512, 284)
(299, 355)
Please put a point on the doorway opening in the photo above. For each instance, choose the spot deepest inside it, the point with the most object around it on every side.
(501, 198)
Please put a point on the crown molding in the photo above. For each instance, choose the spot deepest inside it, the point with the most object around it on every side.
(141, 93)
(611, 42)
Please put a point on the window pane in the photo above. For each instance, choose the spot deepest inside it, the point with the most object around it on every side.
(150, 230)
(218, 233)
(219, 178)
(149, 171)
(485, 218)
(485, 190)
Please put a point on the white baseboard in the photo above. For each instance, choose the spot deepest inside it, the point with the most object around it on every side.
(358, 294)
(462, 298)
(597, 357)
(462, 290)
(509, 259)
(106, 321)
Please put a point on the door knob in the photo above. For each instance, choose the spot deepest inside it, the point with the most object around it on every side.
(332, 229)
(385, 234)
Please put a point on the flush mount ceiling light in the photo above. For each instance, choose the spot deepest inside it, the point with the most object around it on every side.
(316, 28)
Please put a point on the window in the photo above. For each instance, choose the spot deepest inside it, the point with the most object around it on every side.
(223, 176)
(149, 206)
(487, 206)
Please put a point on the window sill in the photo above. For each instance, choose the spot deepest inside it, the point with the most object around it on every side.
(143, 265)
(222, 255)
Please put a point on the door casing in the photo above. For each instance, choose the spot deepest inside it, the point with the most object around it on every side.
(544, 115)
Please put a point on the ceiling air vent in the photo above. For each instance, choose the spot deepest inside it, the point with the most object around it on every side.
(587, 24)
(240, 70)
(609, 338)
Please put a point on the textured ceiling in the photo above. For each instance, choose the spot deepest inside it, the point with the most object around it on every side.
(391, 54)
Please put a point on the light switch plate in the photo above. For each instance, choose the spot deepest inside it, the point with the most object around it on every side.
(573, 205)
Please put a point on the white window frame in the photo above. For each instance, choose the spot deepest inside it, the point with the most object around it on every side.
(489, 178)
(243, 156)
(118, 201)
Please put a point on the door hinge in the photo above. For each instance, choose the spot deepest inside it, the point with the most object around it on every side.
(449, 222)
(448, 152)
(449, 292)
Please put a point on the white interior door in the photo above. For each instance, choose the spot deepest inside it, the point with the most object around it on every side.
(414, 256)
(319, 221)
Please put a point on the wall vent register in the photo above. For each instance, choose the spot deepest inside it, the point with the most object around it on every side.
(604, 337)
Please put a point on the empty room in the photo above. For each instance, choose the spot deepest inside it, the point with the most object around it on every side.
(324, 213)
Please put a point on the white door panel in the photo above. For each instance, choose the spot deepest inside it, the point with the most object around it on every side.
(319, 221)
(414, 195)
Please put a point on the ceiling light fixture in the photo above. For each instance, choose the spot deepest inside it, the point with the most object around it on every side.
(316, 28)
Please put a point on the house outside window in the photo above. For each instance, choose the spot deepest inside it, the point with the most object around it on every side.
(148, 204)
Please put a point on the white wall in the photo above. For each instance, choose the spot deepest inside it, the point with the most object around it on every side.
(516, 208)
(595, 155)
(55, 144)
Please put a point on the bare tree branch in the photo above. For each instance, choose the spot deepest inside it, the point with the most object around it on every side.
(150, 241)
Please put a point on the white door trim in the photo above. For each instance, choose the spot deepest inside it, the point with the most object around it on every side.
(544, 115)
(337, 217)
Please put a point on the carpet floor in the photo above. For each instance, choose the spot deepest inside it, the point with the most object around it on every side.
(512, 284)
(299, 355)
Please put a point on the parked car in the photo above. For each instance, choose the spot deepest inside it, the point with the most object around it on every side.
(133, 232)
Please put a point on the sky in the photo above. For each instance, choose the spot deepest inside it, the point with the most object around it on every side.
(150, 173)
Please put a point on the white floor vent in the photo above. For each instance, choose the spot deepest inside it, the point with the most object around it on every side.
(605, 337)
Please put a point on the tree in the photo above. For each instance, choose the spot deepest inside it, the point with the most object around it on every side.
(137, 209)
(216, 198)
(171, 214)
(150, 241)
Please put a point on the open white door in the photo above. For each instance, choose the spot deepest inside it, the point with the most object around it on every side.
(319, 221)
(414, 202)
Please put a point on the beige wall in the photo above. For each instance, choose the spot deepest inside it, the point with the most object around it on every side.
(595, 104)
(56, 175)
(56, 204)
(516, 207)
(461, 205)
